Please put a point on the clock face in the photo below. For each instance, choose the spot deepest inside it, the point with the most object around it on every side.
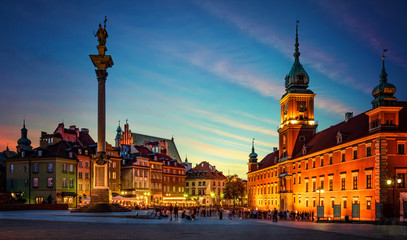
(285, 109)
(301, 106)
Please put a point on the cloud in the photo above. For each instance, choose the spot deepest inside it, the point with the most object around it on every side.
(319, 60)
(360, 27)
(226, 134)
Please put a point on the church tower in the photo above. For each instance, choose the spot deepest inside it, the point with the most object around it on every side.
(118, 137)
(297, 109)
(23, 142)
(253, 165)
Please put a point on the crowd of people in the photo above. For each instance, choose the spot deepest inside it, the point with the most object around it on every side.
(191, 213)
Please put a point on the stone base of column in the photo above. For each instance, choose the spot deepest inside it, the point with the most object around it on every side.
(100, 196)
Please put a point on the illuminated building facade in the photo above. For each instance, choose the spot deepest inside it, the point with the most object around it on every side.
(205, 184)
(358, 166)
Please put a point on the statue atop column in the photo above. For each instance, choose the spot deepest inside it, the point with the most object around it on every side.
(101, 34)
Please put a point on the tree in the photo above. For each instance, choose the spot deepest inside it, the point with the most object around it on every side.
(234, 189)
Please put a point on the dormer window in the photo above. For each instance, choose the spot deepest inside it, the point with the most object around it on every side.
(23, 154)
(70, 155)
(339, 137)
(304, 150)
(39, 153)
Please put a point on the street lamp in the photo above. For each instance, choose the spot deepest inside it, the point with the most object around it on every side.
(319, 191)
(392, 181)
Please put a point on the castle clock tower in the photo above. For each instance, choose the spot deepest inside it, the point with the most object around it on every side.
(297, 110)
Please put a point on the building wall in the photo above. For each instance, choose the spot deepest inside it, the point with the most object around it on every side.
(265, 185)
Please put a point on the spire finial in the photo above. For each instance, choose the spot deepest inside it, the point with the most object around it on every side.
(253, 145)
(383, 75)
(7, 149)
(296, 53)
(119, 123)
(126, 121)
(24, 123)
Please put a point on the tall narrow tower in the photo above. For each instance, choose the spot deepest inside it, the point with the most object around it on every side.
(100, 193)
(297, 109)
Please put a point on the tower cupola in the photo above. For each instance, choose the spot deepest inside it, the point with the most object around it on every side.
(384, 92)
(297, 79)
(23, 142)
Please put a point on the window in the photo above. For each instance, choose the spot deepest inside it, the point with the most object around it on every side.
(187, 184)
(86, 164)
(70, 155)
(306, 202)
(306, 165)
(368, 151)
(193, 184)
(80, 164)
(314, 186)
(39, 153)
(35, 182)
(203, 183)
(87, 187)
(71, 182)
(71, 168)
(294, 179)
(64, 182)
(331, 184)
(369, 203)
(343, 157)
(114, 164)
(114, 175)
(299, 179)
(11, 168)
(26, 182)
(86, 175)
(355, 154)
(35, 167)
(343, 183)
(313, 163)
(25, 168)
(80, 186)
(306, 186)
(400, 148)
(322, 161)
(299, 198)
(332, 202)
(322, 183)
(64, 168)
(314, 202)
(368, 181)
(330, 160)
(50, 182)
(50, 167)
(355, 182)
(345, 203)
(401, 176)
(80, 174)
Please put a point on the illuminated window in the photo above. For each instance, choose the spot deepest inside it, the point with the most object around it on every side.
(50, 182)
(35, 167)
(331, 184)
(64, 168)
(80, 174)
(35, 182)
(71, 168)
(50, 167)
(11, 168)
(355, 182)
(369, 181)
(401, 176)
(343, 183)
(64, 182)
(369, 203)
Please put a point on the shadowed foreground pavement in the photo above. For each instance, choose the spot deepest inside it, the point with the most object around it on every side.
(26, 229)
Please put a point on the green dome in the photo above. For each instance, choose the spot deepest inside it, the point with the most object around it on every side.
(384, 88)
(384, 92)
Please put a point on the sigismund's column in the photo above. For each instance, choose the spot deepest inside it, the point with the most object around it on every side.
(100, 193)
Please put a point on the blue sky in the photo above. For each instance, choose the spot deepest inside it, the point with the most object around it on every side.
(210, 73)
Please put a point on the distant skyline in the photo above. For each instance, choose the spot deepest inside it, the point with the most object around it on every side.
(209, 73)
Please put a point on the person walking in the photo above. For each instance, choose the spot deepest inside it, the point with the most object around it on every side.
(171, 209)
(176, 212)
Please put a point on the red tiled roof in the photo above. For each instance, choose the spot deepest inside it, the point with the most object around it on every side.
(86, 139)
(205, 170)
(269, 160)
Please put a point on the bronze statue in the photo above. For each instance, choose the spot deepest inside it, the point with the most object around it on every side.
(101, 34)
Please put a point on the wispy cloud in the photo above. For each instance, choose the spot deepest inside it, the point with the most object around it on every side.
(229, 122)
(360, 27)
(230, 135)
(319, 60)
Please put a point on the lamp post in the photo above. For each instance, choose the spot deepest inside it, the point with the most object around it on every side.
(392, 181)
(319, 191)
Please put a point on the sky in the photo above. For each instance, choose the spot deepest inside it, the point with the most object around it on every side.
(209, 73)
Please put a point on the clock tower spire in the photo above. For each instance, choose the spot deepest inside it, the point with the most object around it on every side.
(297, 109)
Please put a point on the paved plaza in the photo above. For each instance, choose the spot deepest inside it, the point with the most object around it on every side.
(66, 225)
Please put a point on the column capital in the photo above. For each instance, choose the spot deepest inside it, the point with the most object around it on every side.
(101, 75)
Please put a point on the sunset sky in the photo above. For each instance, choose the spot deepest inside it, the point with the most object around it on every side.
(209, 73)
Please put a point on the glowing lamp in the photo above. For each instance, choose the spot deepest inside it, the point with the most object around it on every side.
(311, 122)
(293, 121)
(399, 180)
(388, 182)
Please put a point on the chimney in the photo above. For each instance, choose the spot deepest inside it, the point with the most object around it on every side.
(274, 149)
(72, 127)
(43, 133)
(348, 115)
(85, 130)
